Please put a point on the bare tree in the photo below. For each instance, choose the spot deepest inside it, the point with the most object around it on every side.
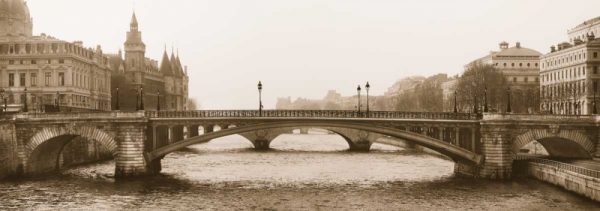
(192, 104)
(481, 83)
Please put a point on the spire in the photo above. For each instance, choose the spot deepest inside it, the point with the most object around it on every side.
(174, 65)
(165, 65)
(134, 22)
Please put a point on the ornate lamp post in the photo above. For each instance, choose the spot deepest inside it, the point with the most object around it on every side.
(455, 105)
(367, 86)
(4, 99)
(485, 106)
(508, 108)
(595, 110)
(358, 90)
(25, 107)
(260, 106)
(141, 98)
(157, 100)
(475, 104)
(57, 101)
(118, 106)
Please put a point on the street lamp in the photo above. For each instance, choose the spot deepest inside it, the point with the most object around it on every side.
(57, 103)
(25, 107)
(595, 111)
(455, 105)
(117, 106)
(358, 90)
(137, 99)
(485, 106)
(4, 99)
(141, 98)
(157, 100)
(260, 106)
(508, 108)
(367, 86)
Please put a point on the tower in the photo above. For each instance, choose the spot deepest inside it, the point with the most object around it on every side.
(135, 49)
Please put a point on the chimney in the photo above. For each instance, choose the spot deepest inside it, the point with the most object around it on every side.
(552, 49)
(518, 45)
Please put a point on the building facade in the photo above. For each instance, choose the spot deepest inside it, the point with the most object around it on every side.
(570, 77)
(581, 31)
(519, 65)
(143, 83)
(42, 72)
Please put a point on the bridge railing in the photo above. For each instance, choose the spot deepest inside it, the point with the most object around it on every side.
(111, 114)
(567, 167)
(311, 114)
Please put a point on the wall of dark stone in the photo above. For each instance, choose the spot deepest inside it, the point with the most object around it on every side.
(9, 160)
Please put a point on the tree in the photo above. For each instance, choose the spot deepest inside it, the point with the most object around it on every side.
(478, 82)
(192, 104)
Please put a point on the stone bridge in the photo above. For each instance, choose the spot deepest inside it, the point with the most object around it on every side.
(481, 145)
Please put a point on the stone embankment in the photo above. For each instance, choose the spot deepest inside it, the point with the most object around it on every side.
(574, 178)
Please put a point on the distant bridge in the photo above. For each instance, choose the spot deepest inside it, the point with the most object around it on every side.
(481, 145)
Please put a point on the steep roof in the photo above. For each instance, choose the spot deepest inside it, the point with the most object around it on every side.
(166, 67)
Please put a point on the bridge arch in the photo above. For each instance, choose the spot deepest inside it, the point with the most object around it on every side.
(455, 152)
(44, 148)
(564, 143)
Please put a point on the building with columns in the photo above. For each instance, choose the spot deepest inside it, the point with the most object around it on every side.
(163, 86)
(570, 76)
(44, 72)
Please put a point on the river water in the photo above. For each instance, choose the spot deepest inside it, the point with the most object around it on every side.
(302, 172)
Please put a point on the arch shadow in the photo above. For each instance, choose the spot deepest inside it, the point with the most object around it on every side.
(564, 144)
(44, 148)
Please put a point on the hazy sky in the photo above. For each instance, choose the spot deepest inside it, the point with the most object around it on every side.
(303, 48)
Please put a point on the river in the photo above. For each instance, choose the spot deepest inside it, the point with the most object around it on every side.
(302, 172)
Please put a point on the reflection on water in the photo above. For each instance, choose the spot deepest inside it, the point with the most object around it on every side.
(301, 172)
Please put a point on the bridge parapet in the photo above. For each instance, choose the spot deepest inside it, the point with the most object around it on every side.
(81, 115)
(542, 118)
(312, 114)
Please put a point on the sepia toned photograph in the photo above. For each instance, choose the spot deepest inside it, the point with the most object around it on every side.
(299, 105)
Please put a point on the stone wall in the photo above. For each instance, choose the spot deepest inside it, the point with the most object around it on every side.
(9, 160)
(576, 181)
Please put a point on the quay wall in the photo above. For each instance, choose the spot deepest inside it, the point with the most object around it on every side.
(573, 178)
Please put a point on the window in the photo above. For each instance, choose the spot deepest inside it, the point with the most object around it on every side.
(595, 55)
(33, 62)
(504, 64)
(11, 61)
(520, 64)
(61, 79)
(22, 79)
(528, 64)
(513, 64)
(33, 79)
(514, 79)
(595, 69)
(47, 77)
(61, 61)
(526, 79)
(11, 79)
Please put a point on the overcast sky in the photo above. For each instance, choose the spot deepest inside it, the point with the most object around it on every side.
(303, 48)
